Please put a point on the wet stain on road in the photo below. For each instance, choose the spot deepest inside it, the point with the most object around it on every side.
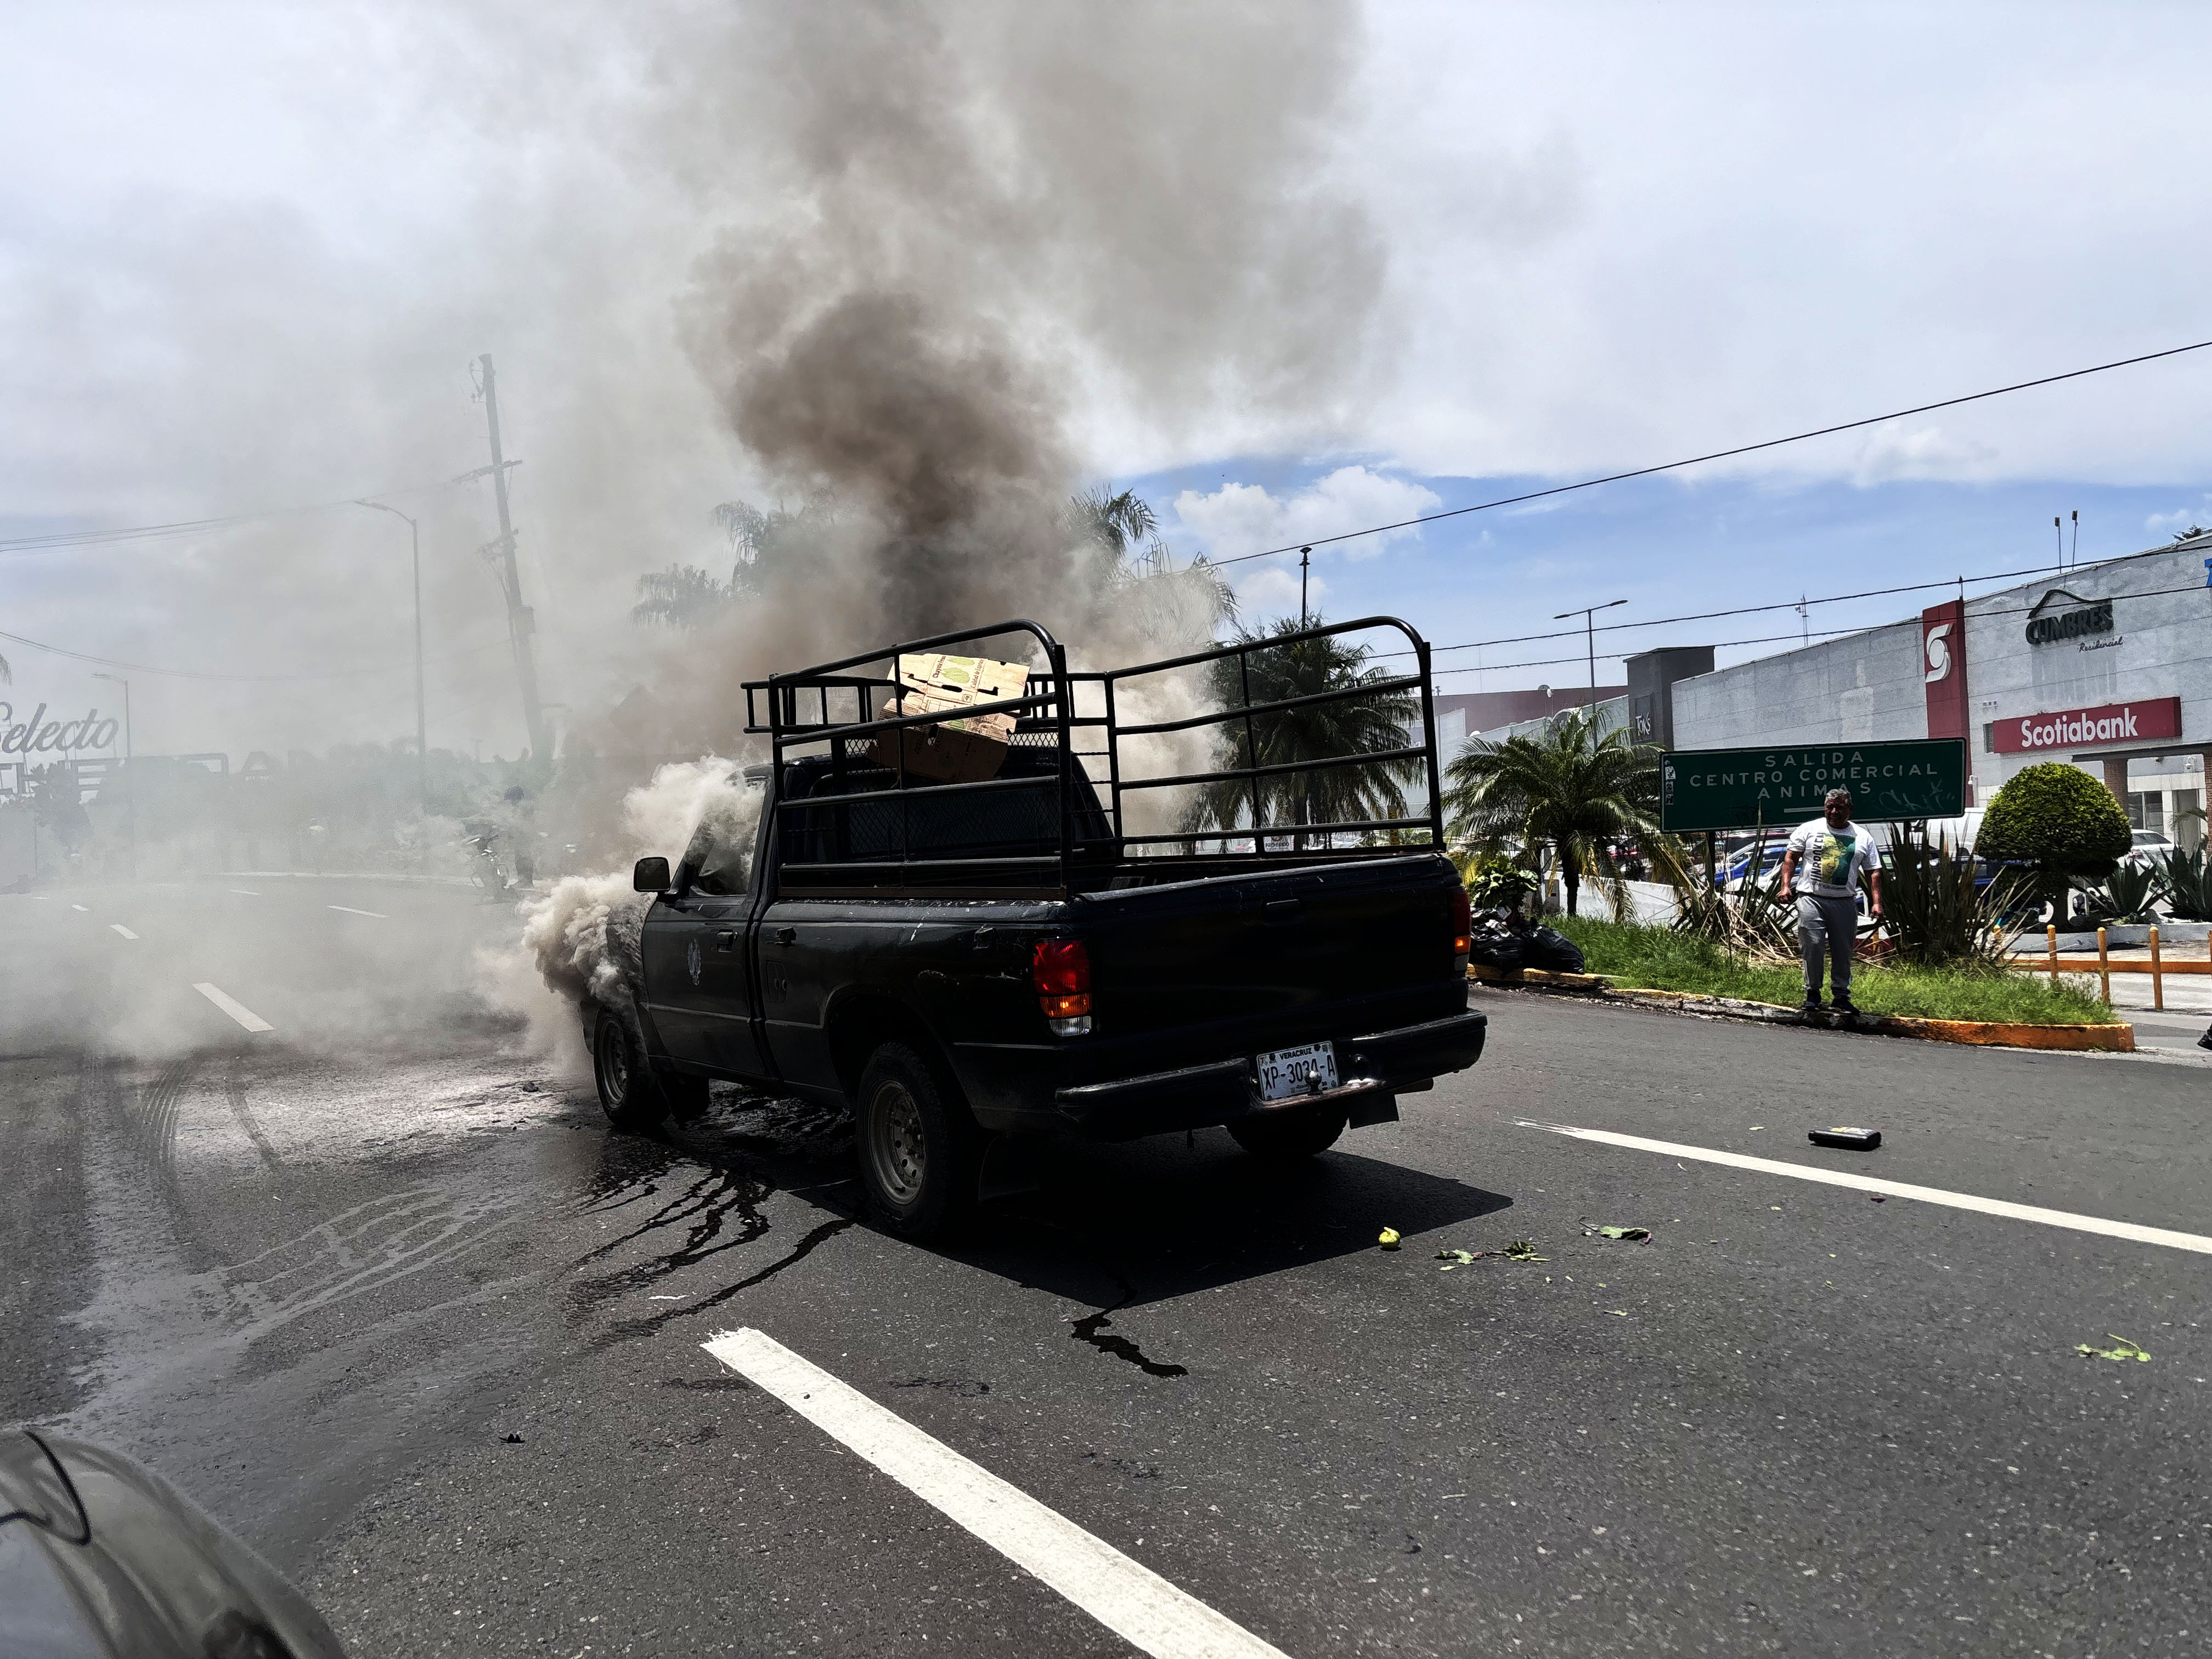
(1092, 1328)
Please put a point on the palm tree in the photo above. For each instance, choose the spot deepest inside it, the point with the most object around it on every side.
(1568, 789)
(1372, 723)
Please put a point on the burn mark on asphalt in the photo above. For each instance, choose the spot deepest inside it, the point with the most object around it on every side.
(1092, 1328)
(965, 1388)
(707, 1384)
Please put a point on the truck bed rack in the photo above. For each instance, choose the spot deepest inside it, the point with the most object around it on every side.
(827, 714)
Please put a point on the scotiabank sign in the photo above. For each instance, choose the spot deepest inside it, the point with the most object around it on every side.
(2082, 728)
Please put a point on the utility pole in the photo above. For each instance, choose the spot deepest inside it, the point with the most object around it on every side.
(1589, 614)
(521, 622)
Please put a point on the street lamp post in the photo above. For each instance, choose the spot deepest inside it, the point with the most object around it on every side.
(422, 722)
(1589, 614)
(130, 777)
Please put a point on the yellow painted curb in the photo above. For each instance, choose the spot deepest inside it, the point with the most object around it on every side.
(2117, 1038)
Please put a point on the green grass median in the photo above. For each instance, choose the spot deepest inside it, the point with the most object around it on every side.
(1634, 956)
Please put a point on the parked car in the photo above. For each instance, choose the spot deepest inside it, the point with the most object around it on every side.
(962, 960)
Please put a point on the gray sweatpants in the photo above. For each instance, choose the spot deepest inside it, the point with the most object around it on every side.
(1827, 926)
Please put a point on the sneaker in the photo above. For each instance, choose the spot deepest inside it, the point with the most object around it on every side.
(2205, 1042)
(1813, 1004)
(1845, 1005)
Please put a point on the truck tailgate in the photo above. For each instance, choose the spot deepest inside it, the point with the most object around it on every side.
(1242, 959)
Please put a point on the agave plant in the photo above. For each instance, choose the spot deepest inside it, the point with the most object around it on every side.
(2185, 880)
(1932, 910)
(2126, 895)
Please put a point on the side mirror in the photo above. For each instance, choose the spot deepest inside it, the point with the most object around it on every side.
(651, 876)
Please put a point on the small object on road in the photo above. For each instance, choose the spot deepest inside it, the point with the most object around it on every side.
(1389, 1240)
(510, 1440)
(1522, 1249)
(1617, 1313)
(2125, 1350)
(1634, 1235)
(1849, 1140)
(1461, 1258)
(1878, 1198)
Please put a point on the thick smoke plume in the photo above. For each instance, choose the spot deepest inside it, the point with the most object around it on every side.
(966, 239)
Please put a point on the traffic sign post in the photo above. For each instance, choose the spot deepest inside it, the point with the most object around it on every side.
(1784, 785)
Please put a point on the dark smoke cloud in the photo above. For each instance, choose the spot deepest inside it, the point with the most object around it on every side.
(962, 231)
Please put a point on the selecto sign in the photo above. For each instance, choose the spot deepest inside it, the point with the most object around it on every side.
(2076, 728)
(40, 735)
(1783, 787)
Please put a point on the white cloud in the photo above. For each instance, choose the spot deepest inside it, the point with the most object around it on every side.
(2181, 519)
(1240, 519)
(1890, 452)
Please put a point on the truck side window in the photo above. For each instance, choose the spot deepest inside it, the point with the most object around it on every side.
(722, 865)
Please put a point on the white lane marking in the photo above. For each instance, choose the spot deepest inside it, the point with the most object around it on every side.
(1125, 1596)
(231, 1005)
(86, 908)
(245, 892)
(350, 911)
(2085, 1224)
(121, 929)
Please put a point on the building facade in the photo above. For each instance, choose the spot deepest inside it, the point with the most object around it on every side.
(2108, 666)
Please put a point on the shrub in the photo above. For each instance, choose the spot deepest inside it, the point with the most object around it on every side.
(2059, 819)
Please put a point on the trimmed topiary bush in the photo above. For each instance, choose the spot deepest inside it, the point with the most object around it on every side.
(2061, 820)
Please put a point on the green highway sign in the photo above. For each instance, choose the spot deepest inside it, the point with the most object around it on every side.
(1785, 784)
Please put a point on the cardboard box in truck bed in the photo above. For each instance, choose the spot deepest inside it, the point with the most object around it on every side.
(961, 750)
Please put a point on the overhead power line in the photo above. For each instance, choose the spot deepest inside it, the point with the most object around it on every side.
(1768, 639)
(250, 680)
(1717, 454)
(58, 538)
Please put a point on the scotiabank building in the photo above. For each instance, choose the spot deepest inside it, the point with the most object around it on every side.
(2108, 666)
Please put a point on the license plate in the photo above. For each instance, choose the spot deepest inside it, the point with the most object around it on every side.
(1286, 1074)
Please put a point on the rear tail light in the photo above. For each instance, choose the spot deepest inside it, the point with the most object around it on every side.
(1061, 970)
(1462, 925)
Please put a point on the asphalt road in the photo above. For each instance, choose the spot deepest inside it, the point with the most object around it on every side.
(379, 1288)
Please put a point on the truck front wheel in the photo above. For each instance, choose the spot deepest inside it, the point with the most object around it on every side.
(1288, 1132)
(628, 1093)
(920, 1153)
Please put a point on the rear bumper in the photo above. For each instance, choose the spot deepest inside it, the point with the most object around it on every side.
(1373, 1067)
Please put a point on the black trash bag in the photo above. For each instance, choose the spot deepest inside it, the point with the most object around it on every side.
(1494, 945)
(1552, 952)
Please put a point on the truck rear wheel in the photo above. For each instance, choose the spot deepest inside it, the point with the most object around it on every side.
(1289, 1132)
(628, 1093)
(920, 1153)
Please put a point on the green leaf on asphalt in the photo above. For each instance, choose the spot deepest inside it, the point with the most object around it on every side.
(1639, 1235)
(2125, 1350)
(1459, 1258)
(1522, 1249)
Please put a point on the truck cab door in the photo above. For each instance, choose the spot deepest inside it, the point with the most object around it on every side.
(698, 956)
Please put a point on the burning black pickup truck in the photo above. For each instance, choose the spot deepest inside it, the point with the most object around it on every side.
(966, 958)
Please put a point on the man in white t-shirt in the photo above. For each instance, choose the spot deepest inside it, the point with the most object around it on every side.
(1821, 871)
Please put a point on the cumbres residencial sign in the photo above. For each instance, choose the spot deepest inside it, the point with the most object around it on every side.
(2082, 728)
(40, 735)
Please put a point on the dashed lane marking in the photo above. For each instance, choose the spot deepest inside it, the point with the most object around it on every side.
(86, 908)
(121, 929)
(1123, 1595)
(2000, 1206)
(245, 892)
(231, 1005)
(350, 911)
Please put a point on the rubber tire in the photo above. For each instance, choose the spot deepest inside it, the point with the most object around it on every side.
(944, 1190)
(630, 1094)
(1287, 1133)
